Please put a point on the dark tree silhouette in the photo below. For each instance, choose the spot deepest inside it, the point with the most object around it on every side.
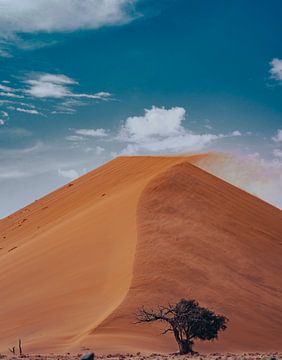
(187, 321)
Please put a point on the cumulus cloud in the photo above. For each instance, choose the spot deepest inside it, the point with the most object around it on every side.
(91, 132)
(276, 69)
(278, 136)
(161, 130)
(68, 174)
(155, 122)
(57, 86)
(30, 16)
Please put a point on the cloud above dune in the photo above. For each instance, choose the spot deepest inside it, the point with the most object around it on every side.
(158, 130)
(155, 122)
(161, 130)
(30, 16)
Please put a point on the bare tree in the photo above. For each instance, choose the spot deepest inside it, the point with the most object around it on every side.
(187, 321)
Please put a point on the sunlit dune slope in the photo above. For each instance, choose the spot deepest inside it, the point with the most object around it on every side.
(76, 264)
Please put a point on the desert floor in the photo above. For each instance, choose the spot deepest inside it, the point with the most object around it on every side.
(121, 356)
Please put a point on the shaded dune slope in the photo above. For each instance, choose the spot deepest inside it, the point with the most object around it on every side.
(76, 264)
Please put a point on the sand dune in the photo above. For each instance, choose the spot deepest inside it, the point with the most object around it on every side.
(76, 264)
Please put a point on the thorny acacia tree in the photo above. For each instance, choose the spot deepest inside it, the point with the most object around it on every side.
(187, 321)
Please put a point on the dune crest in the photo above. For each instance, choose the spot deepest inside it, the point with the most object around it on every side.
(76, 264)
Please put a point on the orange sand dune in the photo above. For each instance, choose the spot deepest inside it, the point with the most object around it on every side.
(76, 264)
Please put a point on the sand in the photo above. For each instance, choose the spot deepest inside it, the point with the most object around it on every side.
(76, 264)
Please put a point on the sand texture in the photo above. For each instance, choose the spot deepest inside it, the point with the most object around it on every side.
(76, 264)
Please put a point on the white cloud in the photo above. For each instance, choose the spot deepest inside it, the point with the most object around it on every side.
(278, 136)
(236, 133)
(174, 144)
(277, 153)
(68, 174)
(5, 102)
(48, 86)
(161, 130)
(276, 69)
(57, 86)
(57, 79)
(99, 95)
(6, 88)
(156, 122)
(29, 16)
(91, 132)
(28, 111)
(4, 114)
(74, 138)
(7, 91)
(45, 87)
(3, 117)
(10, 92)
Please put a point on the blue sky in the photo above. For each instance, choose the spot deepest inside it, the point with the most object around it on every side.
(84, 81)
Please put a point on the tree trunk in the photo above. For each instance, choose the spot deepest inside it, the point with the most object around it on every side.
(185, 347)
